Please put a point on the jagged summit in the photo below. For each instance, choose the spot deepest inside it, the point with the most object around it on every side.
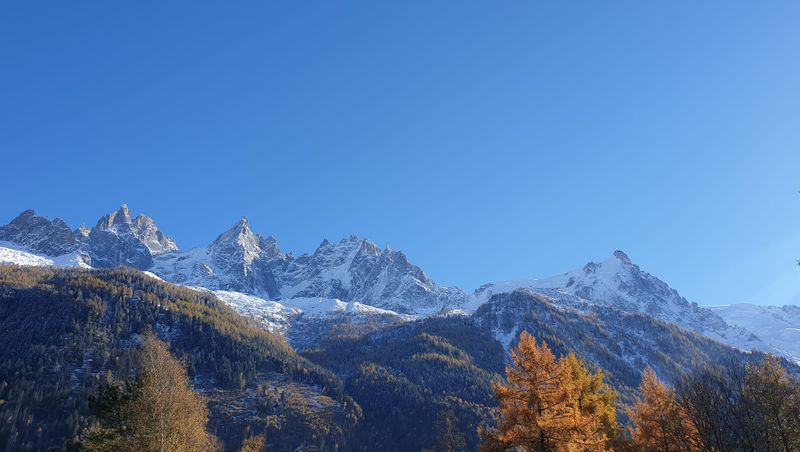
(356, 269)
(120, 217)
(239, 234)
(142, 227)
(619, 254)
(40, 234)
(619, 283)
(117, 239)
(351, 270)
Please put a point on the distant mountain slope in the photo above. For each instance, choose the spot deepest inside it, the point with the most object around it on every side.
(12, 253)
(238, 260)
(620, 342)
(116, 240)
(777, 326)
(404, 375)
(39, 234)
(619, 283)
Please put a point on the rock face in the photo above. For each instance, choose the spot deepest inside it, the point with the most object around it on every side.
(351, 270)
(118, 239)
(246, 259)
(356, 269)
(39, 234)
(237, 260)
(146, 230)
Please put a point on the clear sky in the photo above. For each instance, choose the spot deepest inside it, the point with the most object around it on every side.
(488, 140)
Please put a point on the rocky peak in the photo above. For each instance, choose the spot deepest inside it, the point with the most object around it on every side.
(145, 229)
(269, 246)
(119, 239)
(619, 254)
(143, 222)
(39, 234)
(121, 217)
(142, 228)
(246, 259)
(239, 240)
(369, 248)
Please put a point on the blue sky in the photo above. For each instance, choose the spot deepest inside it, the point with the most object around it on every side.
(488, 140)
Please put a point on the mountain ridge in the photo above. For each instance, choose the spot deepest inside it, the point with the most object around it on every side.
(352, 270)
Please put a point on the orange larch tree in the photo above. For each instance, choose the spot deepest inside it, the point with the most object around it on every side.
(660, 422)
(541, 404)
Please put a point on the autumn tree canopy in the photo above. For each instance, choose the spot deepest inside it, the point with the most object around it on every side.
(157, 412)
(549, 404)
(660, 422)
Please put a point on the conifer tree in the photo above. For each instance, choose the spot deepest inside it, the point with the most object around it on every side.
(448, 438)
(660, 422)
(541, 404)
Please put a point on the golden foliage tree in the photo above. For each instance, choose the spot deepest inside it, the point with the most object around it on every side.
(256, 443)
(660, 422)
(549, 404)
(596, 400)
(159, 412)
(167, 415)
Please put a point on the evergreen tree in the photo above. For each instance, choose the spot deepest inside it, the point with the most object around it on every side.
(448, 438)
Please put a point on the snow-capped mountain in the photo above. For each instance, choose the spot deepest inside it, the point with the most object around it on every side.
(622, 342)
(619, 283)
(358, 270)
(777, 326)
(356, 277)
(12, 253)
(39, 234)
(351, 270)
(116, 240)
(238, 260)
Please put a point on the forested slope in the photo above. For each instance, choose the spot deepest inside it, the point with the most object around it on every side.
(65, 331)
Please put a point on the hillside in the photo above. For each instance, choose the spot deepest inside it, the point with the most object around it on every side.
(65, 331)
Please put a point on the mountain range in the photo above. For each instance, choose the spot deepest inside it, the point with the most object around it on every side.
(351, 347)
(356, 278)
